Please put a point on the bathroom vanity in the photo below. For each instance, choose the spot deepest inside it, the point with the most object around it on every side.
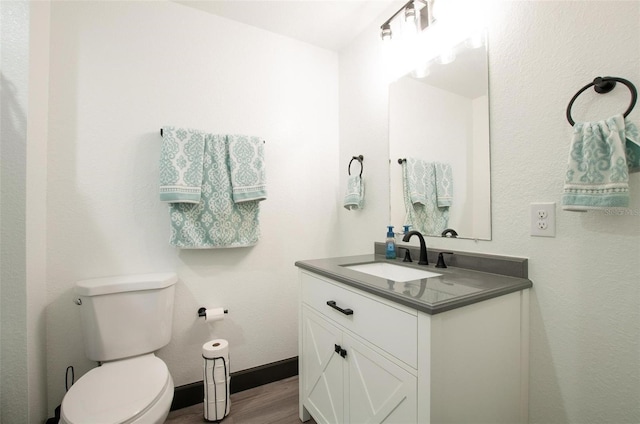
(444, 348)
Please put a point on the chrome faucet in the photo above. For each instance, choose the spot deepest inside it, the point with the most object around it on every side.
(423, 246)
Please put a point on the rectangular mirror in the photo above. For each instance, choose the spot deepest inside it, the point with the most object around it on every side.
(439, 116)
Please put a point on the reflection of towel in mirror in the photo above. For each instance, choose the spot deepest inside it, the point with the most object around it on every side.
(354, 196)
(597, 174)
(420, 197)
(444, 184)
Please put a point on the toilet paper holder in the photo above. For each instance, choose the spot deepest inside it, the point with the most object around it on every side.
(203, 312)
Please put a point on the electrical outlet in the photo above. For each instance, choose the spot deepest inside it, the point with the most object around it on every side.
(543, 219)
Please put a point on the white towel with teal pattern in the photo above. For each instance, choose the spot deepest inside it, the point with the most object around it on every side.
(420, 198)
(597, 174)
(354, 195)
(444, 184)
(181, 160)
(217, 221)
(246, 165)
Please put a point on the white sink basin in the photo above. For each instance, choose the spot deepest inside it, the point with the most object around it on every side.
(392, 272)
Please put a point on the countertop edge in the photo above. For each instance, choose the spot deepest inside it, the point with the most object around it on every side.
(431, 309)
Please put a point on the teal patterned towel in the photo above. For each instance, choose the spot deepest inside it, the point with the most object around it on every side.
(597, 174)
(246, 165)
(181, 160)
(444, 184)
(354, 196)
(217, 221)
(420, 197)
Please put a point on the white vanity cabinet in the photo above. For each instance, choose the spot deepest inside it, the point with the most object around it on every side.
(367, 359)
(347, 373)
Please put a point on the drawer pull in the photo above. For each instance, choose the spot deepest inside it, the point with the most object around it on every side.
(332, 303)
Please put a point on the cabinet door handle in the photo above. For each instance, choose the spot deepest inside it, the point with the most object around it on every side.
(332, 303)
(339, 350)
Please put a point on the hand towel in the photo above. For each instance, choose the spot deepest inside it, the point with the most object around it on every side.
(632, 144)
(246, 165)
(217, 221)
(422, 211)
(181, 161)
(597, 174)
(354, 196)
(444, 184)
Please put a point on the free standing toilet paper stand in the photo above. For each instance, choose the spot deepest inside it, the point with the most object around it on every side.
(216, 372)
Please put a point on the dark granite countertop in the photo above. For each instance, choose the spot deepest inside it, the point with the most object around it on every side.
(456, 287)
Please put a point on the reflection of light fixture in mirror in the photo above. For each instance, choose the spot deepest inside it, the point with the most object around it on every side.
(421, 71)
(447, 56)
(476, 40)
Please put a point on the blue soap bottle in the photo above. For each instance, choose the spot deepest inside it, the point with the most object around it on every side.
(390, 244)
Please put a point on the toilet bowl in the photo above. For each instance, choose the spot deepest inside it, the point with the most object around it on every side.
(138, 390)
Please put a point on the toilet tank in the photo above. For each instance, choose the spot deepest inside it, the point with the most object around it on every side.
(126, 315)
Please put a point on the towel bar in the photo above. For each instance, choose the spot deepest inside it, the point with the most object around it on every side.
(161, 134)
(604, 85)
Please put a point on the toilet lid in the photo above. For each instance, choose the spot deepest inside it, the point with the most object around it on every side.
(116, 392)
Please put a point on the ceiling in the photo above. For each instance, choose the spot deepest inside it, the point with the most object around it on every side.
(330, 24)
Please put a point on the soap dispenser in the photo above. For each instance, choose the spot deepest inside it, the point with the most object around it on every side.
(390, 244)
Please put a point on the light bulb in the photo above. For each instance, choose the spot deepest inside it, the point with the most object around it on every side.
(410, 13)
(385, 34)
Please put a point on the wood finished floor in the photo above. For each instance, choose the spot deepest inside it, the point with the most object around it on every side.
(269, 404)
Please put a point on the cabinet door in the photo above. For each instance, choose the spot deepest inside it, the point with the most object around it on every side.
(378, 390)
(323, 369)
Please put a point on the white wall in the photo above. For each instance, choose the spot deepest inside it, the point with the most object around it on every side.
(14, 55)
(121, 70)
(22, 212)
(364, 130)
(585, 337)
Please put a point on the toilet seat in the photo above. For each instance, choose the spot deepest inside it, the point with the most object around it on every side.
(117, 392)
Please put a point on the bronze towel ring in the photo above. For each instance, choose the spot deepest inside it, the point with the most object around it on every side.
(604, 85)
(359, 158)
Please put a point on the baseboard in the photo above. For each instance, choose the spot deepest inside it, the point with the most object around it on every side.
(193, 393)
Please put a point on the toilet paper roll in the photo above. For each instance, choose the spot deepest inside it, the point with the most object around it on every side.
(214, 314)
(215, 349)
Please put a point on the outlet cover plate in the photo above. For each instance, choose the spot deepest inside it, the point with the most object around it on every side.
(543, 219)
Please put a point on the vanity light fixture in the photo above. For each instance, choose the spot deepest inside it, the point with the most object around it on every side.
(410, 17)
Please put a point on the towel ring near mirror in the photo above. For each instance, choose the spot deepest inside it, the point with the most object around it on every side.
(604, 85)
(359, 158)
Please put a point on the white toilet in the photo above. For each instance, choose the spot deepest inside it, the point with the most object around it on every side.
(124, 320)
